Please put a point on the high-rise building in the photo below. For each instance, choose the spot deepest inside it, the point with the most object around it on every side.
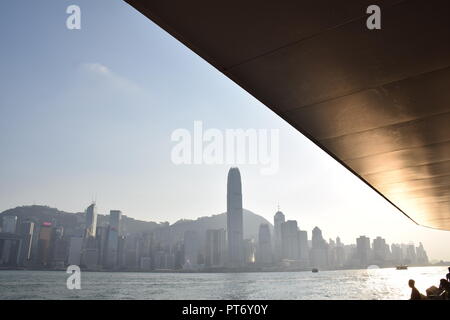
(121, 246)
(380, 251)
(278, 220)
(319, 249)
(422, 257)
(331, 254)
(397, 254)
(9, 224)
(340, 253)
(59, 248)
(130, 252)
(235, 218)
(191, 249)
(91, 220)
(101, 236)
(178, 252)
(44, 244)
(115, 218)
(304, 249)
(113, 255)
(363, 250)
(290, 241)
(26, 232)
(35, 242)
(215, 248)
(10, 245)
(411, 257)
(91, 253)
(249, 251)
(264, 252)
(75, 246)
(162, 237)
(10, 242)
(145, 251)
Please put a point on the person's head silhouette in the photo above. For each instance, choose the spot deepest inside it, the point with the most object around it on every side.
(411, 283)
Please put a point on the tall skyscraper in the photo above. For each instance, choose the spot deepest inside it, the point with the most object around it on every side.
(115, 217)
(340, 253)
(422, 257)
(26, 231)
(277, 221)
(319, 249)
(397, 254)
(215, 248)
(45, 239)
(235, 218)
(59, 248)
(304, 249)
(90, 251)
(380, 251)
(191, 249)
(290, 241)
(91, 220)
(411, 254)
(113, 255)
(264, 252)
(101, 236)
(363, 250)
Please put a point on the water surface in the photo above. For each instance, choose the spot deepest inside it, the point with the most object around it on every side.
(343, 284)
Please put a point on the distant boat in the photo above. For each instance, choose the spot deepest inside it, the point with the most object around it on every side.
(401, 267)
(315, 270)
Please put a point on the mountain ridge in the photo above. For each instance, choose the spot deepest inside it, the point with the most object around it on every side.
(41, 213)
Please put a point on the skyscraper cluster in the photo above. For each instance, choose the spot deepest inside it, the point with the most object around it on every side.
(293, 250)
(289, 246)
(80, 240)
(47, 244)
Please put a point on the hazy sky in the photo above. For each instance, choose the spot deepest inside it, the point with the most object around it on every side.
(89, 114)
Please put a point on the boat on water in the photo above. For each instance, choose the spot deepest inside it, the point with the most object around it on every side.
(401, 267)
(315, 270)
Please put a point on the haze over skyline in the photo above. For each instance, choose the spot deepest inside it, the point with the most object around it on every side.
(89, 114)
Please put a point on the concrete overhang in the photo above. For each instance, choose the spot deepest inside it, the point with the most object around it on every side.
(378, 101)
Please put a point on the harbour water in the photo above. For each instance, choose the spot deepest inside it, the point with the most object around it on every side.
(343, 284)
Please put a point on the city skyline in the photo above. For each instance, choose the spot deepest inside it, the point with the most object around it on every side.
(9, 224)
(297, 249)
(55, 244)
(91, 215)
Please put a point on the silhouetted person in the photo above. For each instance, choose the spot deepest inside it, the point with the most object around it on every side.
(415, 294)
(444, 287)
(448, 274)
